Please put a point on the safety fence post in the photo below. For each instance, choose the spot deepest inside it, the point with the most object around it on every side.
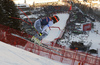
(95, 60)
(62, 57)
(50, 54)
(85, 58)
(34, 48)
(4, 35)
(1, 35)
(73, 61)
(38, 50)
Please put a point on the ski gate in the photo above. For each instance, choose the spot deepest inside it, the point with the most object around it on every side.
(68, 56)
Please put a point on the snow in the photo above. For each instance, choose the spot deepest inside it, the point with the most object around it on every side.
(55, 32)
(31, 16)
(22, 4)
(19, 1)
(44, 1)
(93, 37)
(31, 2)
(98, 2)
(63, 19)
(10, 55)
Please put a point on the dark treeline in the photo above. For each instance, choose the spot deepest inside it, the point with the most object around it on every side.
(8, 10)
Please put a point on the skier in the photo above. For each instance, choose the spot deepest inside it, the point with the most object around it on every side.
(43, 23)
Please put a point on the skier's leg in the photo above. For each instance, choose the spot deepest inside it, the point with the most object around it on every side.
(37, 25)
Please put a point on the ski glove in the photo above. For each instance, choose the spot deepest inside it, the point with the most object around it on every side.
(40, 34)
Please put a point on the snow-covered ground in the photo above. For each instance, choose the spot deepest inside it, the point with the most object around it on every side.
(92, 36)
(10, 55)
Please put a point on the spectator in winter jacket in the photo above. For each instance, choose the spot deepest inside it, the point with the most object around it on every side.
(45, 23)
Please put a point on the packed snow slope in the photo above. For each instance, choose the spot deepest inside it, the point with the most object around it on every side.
(10, 55)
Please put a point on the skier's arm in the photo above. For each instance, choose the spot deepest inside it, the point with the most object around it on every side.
(48, 25)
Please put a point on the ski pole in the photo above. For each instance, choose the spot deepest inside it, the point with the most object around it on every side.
(27, 23)
(19, 19)
(25, 15)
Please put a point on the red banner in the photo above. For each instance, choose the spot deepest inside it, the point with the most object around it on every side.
(87, 27)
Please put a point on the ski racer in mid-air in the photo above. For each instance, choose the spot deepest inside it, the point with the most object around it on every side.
(43, 23)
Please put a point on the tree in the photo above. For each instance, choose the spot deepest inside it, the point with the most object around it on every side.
(1, 11)
(8, 8)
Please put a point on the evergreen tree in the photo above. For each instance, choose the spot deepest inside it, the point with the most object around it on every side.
(1, 11)
(8, 8)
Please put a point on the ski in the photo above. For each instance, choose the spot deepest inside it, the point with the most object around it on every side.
(38, 42)
(52, 47)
